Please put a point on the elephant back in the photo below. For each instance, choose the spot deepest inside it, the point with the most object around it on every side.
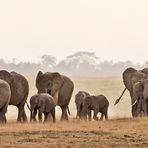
(19, 89)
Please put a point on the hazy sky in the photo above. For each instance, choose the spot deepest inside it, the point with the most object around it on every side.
(114, 29)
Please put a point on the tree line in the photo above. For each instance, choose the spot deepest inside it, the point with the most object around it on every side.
(78, 64)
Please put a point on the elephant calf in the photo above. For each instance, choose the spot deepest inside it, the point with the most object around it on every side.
(97, 104)
(44, 103)
(79, 97)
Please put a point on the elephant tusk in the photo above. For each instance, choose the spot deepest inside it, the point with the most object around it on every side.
(134, 103)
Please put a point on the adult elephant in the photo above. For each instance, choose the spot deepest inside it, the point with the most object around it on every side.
(79, 97)
(19, 91)
(5, 94)
(58, 86)
(130, 77)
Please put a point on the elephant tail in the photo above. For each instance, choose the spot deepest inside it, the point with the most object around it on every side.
(117, 101)
(68, 110)
(28, 106)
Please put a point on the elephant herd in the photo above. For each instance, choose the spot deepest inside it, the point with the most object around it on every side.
(136, 82)
(56, 89)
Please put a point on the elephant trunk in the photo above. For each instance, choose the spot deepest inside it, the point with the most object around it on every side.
(117, 101)
(84, 113)
(31, 115)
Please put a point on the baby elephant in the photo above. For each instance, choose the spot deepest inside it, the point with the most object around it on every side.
(44, 103)
(79, 97)
(97, 104)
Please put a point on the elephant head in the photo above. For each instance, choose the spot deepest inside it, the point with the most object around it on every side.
(49, 83)
(86, 106)
(79, 97)
(6, 76)
(131, 76)
(35, 103)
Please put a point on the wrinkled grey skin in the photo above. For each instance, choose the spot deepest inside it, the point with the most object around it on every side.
(44, 103)
(79, 97)
(5, 94)
(58, 86)
(19, 91)
(140, 93)
(97, 104)
(130, 77)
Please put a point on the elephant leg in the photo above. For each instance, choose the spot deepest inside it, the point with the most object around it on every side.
(53, 115)
(45, 117)
(20, 112)
(4, 120)
(95, 116)
(4, 110)
(89, 114)
(144, 107)
(34, 115)
(105, 113)
(77, 114)
(134, 110)
(40, 115)
(64, 113)
(2, 116)
(24, 115)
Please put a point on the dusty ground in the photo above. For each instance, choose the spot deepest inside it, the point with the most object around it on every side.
(76, 134)
(119, 132)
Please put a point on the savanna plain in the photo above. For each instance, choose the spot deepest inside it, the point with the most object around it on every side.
(121, 130)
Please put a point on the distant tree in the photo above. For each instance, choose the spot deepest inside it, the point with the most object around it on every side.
(48, 61)
(80, 63)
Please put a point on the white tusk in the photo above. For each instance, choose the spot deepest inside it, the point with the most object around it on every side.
(134, 103)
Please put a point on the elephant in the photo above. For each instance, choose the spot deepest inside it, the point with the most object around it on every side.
(5, 94)
(60, 87)
(44, 103)
(19, 91)
(130, 77)
(79, 97)
(97, 103)
(140, 93)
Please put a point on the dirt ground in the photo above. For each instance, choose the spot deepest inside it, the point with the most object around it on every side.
(126, 132)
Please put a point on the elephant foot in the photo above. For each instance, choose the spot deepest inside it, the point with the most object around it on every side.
(95, 118)
(64, 119)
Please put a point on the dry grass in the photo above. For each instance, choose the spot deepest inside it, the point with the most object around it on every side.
(125, 132)
(119, 131)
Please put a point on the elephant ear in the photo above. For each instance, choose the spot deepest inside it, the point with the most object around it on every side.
(127, 75)
(58, 81)
(145, 71)
(145, 92)
(6, 76)
(40, 73)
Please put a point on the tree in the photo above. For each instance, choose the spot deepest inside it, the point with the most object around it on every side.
(48, 61)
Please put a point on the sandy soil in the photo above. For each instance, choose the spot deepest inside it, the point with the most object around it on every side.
(76, 134)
